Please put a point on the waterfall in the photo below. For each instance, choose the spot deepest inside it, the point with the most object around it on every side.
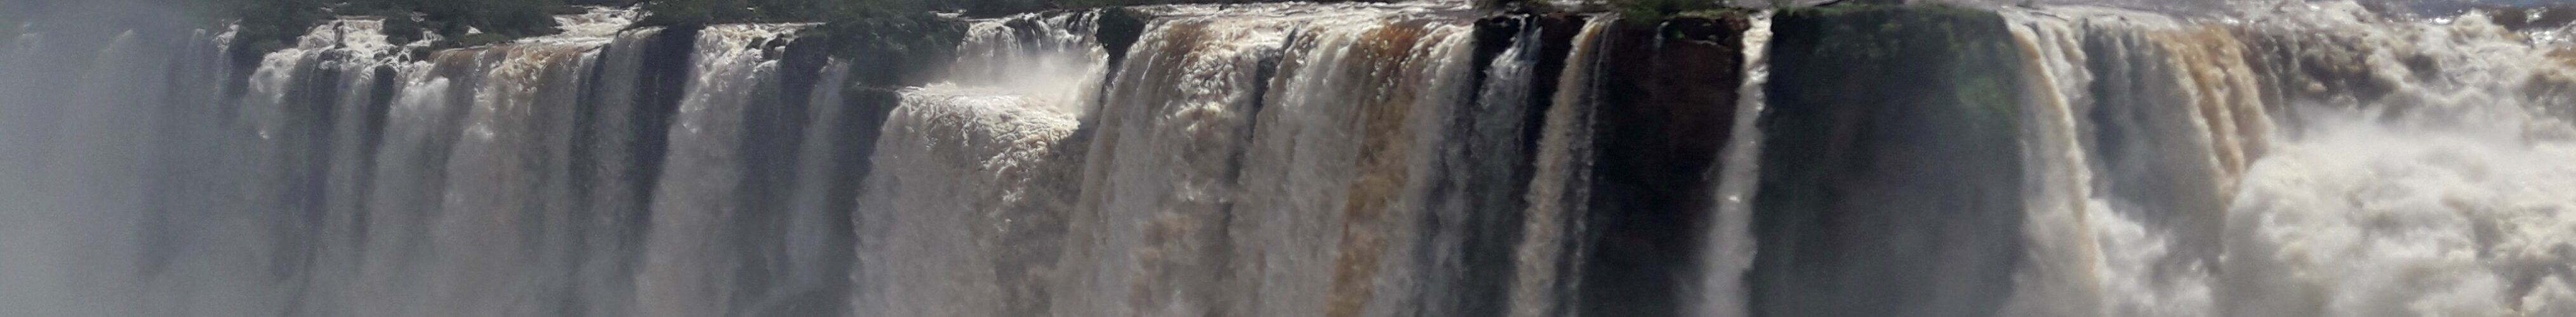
(1055, 57)
(1274, 169)
(2452, 151)
(701, 256)
(1730, 243)
(1426, 158)
(2185, 197)
(814, 281)
(356, 176)
(971, 188)
(974, 177)
(51, 238)
(1480, 172)
(1337, 129)
(1543, 261)
(2059, 195)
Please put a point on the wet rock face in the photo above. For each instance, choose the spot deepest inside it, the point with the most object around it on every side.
(1119, 29)
(665, 79)
(1668, 109)
(1890, 164)
(1494, 229)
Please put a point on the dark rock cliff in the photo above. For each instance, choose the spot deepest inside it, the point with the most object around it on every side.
(1892, 171)
(1668, 109)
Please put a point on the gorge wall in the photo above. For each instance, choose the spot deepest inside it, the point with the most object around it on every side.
(1357, 159)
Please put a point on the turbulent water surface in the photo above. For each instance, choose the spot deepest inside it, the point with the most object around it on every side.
(2050, 158)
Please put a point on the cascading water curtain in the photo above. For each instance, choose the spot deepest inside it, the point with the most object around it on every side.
(1424, 158)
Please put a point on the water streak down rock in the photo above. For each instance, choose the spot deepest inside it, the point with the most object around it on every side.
(1304, 159)
(1892, 158)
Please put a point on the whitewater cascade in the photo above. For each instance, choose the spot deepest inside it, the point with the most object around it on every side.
(2321, 158)
(978, 174)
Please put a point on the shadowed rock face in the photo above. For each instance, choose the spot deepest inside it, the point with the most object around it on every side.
(1501, 172)
(1668, 109)
(1892, 166)
(1119, 29)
